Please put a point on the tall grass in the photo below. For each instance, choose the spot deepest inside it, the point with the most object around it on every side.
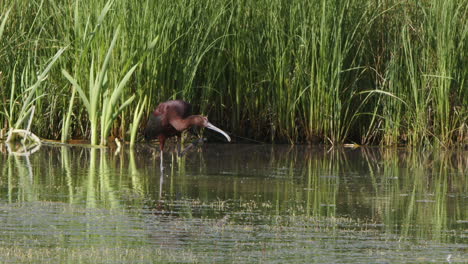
(387, 72)
(97, 90)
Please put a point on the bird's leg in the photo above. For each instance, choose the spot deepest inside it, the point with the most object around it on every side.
(161, 178)
(162, 140)
(161, 165)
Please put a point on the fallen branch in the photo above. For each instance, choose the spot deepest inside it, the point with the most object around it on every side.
(24, 151)
(25, 134)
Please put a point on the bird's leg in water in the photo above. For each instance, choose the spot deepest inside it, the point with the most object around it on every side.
(161, 165)
(161, 181)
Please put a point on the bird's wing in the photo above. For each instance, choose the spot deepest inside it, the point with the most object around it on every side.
(161, 113)
(172, 113)
(154, 127)
(169, 113)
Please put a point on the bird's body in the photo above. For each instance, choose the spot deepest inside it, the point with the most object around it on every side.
(171, 118)
(159, 123)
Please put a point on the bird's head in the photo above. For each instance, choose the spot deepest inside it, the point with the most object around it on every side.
(202, 121)
(199, 120)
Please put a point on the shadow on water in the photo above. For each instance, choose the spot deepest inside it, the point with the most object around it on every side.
(238, 203)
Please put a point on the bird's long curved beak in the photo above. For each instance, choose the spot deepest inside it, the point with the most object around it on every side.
(212, 127)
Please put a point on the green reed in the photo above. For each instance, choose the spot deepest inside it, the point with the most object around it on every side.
(387, 72)
(98, 90)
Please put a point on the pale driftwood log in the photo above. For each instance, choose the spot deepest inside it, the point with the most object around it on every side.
(25, 134)
(24, 151)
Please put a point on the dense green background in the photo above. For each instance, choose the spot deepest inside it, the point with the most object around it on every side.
(284, 70)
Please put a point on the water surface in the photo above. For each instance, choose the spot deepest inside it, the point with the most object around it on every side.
(234, 203)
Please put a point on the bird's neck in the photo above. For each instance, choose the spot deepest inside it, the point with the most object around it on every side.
(182, 124)
(179, 124)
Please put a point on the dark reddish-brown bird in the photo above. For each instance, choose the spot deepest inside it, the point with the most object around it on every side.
(171, 118)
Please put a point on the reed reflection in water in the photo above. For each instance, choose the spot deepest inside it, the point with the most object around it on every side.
(236, 203)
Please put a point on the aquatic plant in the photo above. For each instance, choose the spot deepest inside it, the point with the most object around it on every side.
(26, 95)
(372, 72)
(97, 90)
(138, 114)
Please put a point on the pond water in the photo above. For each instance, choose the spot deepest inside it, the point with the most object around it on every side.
(234, 203)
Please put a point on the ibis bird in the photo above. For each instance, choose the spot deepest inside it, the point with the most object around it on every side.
(171, 118)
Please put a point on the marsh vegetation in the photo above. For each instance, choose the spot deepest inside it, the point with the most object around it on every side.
(371, 72)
